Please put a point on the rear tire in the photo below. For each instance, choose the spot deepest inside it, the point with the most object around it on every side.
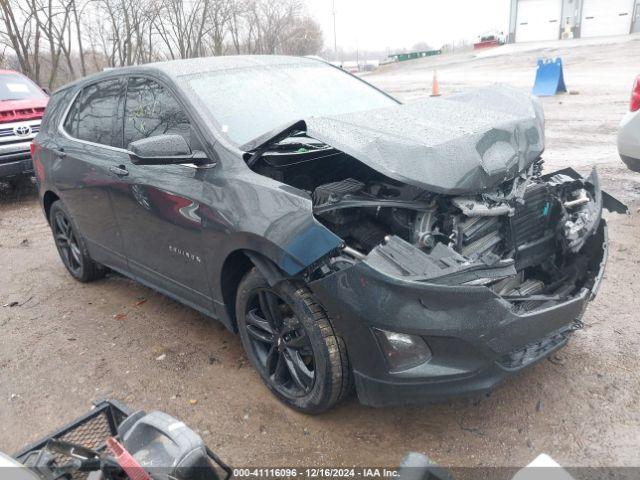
(300, 358)
(71, 245)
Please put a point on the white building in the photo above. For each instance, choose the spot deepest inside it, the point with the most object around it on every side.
(535, 20)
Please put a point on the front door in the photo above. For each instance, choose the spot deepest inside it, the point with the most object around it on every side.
(159, 210)
(84, 159)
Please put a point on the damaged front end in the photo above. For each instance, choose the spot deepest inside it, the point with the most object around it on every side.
(491, 283)
(525, 241)
(483, 281)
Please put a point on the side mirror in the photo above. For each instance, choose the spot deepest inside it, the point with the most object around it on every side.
(164, 150)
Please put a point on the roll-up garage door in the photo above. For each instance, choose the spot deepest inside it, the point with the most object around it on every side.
(538, 20)
(606, 17)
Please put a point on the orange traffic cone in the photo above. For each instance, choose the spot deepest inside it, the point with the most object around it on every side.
(435, 89)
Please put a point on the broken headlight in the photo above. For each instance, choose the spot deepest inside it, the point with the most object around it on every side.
(402, 351)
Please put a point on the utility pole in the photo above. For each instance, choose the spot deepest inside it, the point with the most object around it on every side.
(357, 55)
(335, 37)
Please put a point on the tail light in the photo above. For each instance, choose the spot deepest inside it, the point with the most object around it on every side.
(37, 163)
(635, 96)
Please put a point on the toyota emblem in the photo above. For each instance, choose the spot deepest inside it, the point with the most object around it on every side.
(22, 130)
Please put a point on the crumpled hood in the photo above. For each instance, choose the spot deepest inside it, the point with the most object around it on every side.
(458, 144)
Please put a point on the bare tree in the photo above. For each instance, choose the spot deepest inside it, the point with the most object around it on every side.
(220, 17)
(53, 19)
(120, 32)
(54, 41)
(21, 34)
(77, 12)
(272, 19)
(303, 37)
(240, 30)
(278, 26)
(35, 30)
(182, 26)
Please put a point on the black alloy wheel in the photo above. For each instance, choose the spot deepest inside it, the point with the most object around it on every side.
(280, 343)
(67, 243)
(71, 246)
(291, 342)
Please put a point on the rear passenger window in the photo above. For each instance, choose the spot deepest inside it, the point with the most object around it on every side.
(152, 110)
(92, 116)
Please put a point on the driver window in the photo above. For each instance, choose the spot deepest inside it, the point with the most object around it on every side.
(151, 110)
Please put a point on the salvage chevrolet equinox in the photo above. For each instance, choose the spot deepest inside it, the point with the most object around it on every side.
(410, 252)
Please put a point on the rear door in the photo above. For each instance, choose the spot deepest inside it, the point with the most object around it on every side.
(159, 210)
(85, 155)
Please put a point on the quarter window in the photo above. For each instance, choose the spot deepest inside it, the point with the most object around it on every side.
(71, 122)
(152, 110)
(93, 114)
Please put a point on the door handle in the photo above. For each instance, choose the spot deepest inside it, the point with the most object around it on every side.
(119, 170)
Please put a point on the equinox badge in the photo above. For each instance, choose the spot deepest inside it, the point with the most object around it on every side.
(188, 255)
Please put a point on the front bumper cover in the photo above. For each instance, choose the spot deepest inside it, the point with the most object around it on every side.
(476, 337)
(15, 157)
(16, 167)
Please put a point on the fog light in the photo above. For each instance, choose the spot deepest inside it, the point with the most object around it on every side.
(402, 350)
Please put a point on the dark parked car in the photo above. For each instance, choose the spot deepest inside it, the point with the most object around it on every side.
(416, 251)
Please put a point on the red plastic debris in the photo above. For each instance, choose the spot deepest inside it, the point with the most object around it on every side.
(129, 464)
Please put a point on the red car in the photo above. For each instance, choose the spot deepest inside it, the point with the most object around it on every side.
(22, 104)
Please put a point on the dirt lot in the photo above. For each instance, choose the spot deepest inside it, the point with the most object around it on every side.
(66, 344)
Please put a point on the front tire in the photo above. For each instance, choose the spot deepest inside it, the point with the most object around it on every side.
(71, 246)
(291, 342)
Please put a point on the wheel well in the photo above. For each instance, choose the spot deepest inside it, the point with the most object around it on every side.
(235, 267)
(47, 201)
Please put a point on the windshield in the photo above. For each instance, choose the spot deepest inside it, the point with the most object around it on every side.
(17, 87)
(248, 102)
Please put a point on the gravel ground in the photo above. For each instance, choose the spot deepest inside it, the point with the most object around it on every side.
(65, 344)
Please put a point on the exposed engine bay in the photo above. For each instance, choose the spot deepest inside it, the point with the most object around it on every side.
(524, 239)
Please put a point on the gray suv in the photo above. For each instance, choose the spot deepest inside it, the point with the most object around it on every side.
(410, 252)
